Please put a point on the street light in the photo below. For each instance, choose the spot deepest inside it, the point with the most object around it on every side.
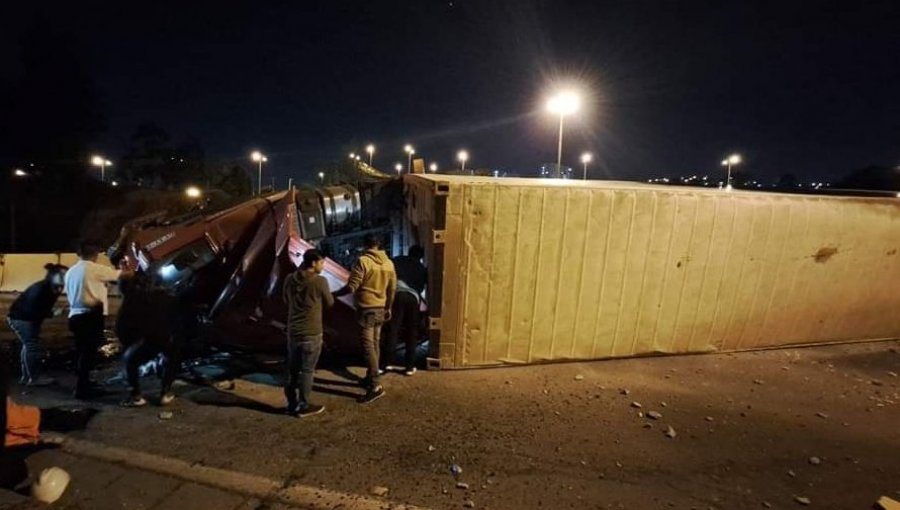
(322, 177)
(352, 155)
(259, 158)
(371, 150)
(585, 159)
(562, 104)
(728, 162)
(399, 168)
(193, 192)
(463, 156)
(409, 154)
(433, 167)
(18, 172)
(102, 163)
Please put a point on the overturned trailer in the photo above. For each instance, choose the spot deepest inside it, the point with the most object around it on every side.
(532, 270)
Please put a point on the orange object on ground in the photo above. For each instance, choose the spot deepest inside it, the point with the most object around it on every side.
(22, 424)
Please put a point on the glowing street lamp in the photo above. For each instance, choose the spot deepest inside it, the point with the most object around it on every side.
(322, 177)
(352, 155)
(102, 163)
(433, 167)
(259, 158)
(562, 104)
(399, 168)
(371, 150)
(193, 192)
(18, 172)
(586, 158)
(409, 152)
(463, 156)
(728, 162)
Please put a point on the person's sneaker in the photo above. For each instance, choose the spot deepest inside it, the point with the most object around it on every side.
(41, 380)
(372, 395)
(134, 402)
(382, 371)
(166, 399)
(309, 410)
(393, 368)
(409, 372)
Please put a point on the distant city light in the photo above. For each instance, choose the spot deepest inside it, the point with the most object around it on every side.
(190, 191)
(18, 172)
(370, 149)
(433, 167)
(322, 176)
(102, 162)
(352, 155)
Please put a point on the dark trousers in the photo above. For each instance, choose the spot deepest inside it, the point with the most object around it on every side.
(141, 352)
(405, 321)
(88, 331)
(32, 352)
(303, 354)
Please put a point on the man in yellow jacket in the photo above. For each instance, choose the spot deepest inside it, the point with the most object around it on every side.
(373, 282)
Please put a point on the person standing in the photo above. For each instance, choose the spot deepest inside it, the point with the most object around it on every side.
(306, 293)
(27, 314)
(411, 280)
(373, 282)
(86, 291)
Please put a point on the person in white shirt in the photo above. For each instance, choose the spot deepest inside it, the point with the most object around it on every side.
(88, 305)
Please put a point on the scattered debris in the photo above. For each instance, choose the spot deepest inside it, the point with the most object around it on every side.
(822, 415)
(876, 382)
(802, 500)
(166, 415)
(648, 425)
(624, 391)
(226, 385)
(455, 469)
(462, 485)
(663, 404)
(815, 461)
(670, 432)
(892, 374)
(508, 382)
(654, 415)
(431, 448)
(791, 473)
(766, 504)
(636, 405)
(708, 418)
(469, 504)
(758, 381)
(379, 491)
(579, 377)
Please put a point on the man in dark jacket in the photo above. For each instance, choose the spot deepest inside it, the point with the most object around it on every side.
(306, 293)
(27, 314)
(411, 279)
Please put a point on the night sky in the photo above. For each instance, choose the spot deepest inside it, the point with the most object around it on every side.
(811, 88)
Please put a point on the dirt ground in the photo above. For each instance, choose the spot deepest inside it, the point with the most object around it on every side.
(751, 430)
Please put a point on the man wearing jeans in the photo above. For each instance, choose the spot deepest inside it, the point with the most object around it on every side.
(27, 314)
(305, 292)
(86, 292)
(373, 283)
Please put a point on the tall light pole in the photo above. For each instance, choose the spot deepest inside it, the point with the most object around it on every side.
(585, 159)
(728, 162)
(322, 177)
(462, 156)
(259, 158)
(409, 154)
(371, 150)
(433, 167)
(562, 104)
(102, 163)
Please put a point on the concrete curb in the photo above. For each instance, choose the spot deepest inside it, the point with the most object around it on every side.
(260, 487)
